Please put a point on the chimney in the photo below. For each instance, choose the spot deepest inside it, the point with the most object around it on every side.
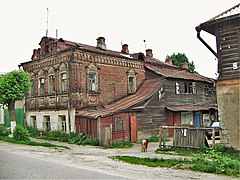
(169, 61)
(125, 49)
(101, 43)
(185, 65)
(36, 54)
(149, 53)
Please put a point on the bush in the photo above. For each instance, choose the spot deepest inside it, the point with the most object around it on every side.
(4, 131)
(33, 132)
(21, 134)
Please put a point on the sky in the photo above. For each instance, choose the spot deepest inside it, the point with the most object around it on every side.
(167, 26)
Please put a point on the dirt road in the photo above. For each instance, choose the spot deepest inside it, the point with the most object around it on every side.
(90, 157)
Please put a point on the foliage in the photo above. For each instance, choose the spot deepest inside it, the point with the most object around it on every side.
(153, 162)
(21, 134)
(4, 131)
(31, 143)
(33, 132)
(179, 59)
(156, 139)
(72, 138)
(221, 160)
(122, 144)
(13, 86)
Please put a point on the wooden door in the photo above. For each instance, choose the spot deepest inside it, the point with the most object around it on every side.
(133, 128)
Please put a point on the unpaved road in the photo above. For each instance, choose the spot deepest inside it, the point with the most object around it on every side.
(97, 158)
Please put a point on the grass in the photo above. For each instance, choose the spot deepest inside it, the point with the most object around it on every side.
(152, 162)
(31, 143)
(122, 144)
(156, 139)
(221, 160)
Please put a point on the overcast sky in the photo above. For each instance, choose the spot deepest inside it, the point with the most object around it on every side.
(168, 26)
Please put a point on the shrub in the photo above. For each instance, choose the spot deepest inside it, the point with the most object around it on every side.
(33, 132)
(4, 131)
(21, 134)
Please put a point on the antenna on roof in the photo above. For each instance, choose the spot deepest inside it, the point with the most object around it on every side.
(144, 41)
(56, 33)
(47, 24)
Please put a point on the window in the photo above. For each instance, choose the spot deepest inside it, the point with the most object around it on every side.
(46, 123)
(160, 93)
(118, 124)
(62, 123)
(208, 90)
(64, 82)
(32, 88)
(190, 88)
(131, 85)
(41, 86)
(187, 118)
(51, 84)
(177, 87)
(92, 82)
(33, 121)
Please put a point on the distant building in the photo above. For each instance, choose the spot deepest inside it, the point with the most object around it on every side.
(226, 28)
(112, 95)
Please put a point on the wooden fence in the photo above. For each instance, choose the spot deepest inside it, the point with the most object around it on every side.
(185, 136)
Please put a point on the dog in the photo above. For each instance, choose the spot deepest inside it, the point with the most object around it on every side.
(144, 144)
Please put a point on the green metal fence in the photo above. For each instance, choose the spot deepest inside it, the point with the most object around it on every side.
(19, 113)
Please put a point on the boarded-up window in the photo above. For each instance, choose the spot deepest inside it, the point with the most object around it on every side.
(118, 124)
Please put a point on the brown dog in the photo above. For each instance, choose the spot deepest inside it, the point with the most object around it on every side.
(144, 145)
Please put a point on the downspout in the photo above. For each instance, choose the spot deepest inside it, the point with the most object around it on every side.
(198, 29)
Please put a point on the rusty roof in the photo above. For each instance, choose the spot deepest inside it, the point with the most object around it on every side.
(191, 108)
(177, 73)
(147, 89)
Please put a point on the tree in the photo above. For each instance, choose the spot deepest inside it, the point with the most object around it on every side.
(13, 87)
(179, 59)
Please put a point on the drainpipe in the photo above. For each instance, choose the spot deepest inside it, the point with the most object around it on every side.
(198, 29)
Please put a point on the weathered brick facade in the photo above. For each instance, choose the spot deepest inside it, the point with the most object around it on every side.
(110, 95)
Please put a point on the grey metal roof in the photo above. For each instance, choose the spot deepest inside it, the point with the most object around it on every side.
(230, 12)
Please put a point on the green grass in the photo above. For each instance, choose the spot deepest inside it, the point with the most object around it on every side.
(152, 162)
(122, 144)
(156, 139)
(224, 161)
(31, 143)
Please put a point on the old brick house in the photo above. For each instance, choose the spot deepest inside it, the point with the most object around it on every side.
(226, 28)
(104, 93)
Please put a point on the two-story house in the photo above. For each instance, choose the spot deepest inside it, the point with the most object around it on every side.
(112, 95)
(226, 28)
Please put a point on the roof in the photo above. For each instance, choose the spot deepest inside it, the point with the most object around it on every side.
(190, 108)
(177, 73)
(230, 12)
(85, 47)
(146, 91)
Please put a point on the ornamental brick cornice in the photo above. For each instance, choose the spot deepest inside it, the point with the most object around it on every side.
(47, 62)
(108, 60)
